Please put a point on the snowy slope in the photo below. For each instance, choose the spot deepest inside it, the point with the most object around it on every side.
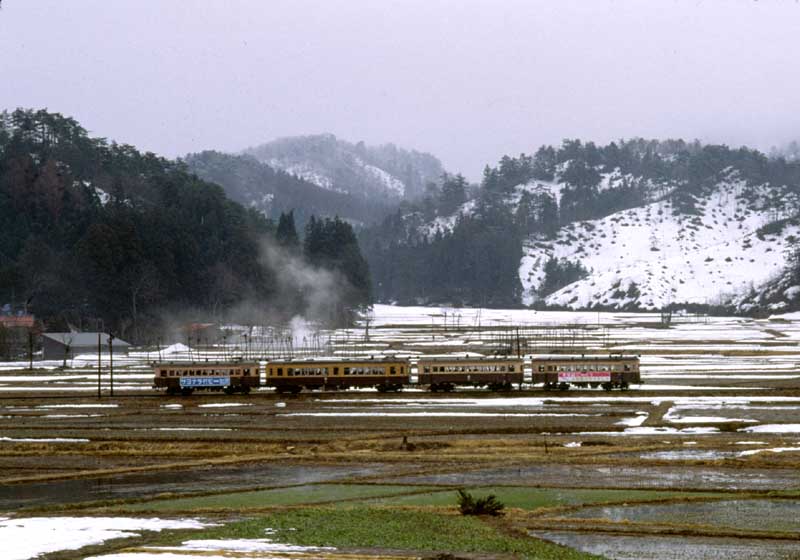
(341, 166)
(649, 257)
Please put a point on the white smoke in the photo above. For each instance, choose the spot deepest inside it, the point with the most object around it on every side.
(319, 290)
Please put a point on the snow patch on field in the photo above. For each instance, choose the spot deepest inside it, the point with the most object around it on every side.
(773, 429)
(436, 414)
(49, 406)
(637, 420)
(222, 405)
(44, 440)
(228, 548)
(29, 537)
(771, 450)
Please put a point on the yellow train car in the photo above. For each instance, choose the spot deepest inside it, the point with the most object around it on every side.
(292, 376)
(186, 377)
(443, 374)
(609, 372)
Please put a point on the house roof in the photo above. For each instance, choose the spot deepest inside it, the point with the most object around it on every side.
(22, 321)
(83, 339)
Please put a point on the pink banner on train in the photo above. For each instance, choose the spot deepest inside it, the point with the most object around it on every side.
(584, 376)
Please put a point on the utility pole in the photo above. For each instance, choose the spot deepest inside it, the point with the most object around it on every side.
(30, 349)
(99, 361)
(111, 361)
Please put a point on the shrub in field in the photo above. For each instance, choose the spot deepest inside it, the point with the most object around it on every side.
(488, 505)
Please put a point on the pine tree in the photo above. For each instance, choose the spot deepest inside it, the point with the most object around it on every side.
(286, 233)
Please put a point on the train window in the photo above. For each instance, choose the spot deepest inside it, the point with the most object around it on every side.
(290, 372)
(392, 370)
(347, 371)
(511, 369)
(627, 367)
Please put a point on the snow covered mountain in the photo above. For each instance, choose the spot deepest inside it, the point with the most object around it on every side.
(644, 225)
(272, 191)
(384, 171)
(653, 256)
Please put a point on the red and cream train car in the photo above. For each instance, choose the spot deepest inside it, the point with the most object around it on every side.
(608, 372)
(385, 374)
(185, 378)
(445, 373)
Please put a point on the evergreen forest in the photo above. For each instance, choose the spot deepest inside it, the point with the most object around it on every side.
(98, 235)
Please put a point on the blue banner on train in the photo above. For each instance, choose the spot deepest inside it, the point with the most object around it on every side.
(205, 381)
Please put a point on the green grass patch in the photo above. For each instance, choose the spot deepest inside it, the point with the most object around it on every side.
(296, 495)
(533, 498)
(385, 528)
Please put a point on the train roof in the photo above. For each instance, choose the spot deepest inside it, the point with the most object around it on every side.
(470, 359)
(207, 364)
(339, 360)
(582, 357)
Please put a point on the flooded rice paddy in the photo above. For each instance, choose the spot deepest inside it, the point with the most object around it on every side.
(719, 412)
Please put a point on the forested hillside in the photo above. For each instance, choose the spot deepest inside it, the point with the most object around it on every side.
(631, 225)
(374, 172)
(96, 234)
(272, 191)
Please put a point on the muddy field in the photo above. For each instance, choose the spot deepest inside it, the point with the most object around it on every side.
(706, 451)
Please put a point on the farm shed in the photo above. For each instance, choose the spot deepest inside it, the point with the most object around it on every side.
(61, 346)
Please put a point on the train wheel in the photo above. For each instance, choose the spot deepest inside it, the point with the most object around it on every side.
(607, 386)
(229, 390)
(186, 391)
(172, 391)
(246, 389)
(296, 389)
(434, 388)
(563, 386)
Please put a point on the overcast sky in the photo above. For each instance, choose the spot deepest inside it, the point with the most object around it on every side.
(465, 80)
